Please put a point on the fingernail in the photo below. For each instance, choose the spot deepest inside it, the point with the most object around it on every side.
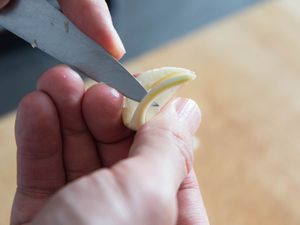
(119, 44)
(188, 112)
(120, 49)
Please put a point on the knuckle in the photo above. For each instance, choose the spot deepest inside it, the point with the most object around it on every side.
(180, 140)
(34, 193)
(184, 146)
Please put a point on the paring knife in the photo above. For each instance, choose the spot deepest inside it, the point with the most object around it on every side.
(46, 28)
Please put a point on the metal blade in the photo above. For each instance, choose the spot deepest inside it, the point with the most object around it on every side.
(45, 27)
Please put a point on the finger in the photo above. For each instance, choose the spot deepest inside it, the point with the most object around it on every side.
(3, 3)
(93, 18)
(102, 108)
(160, 158)
(66, 89)
(141, 189)
(40, 162)
(191, 208)
(166, 142)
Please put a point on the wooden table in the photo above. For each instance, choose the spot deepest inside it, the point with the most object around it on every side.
(248, 163)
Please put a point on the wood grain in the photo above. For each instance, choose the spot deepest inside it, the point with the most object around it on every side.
(248, 88)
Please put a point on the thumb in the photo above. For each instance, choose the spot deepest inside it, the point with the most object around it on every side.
(161, 157)
(3, 3)
(166, 142)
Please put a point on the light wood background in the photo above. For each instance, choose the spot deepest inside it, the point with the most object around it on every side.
(248, 87)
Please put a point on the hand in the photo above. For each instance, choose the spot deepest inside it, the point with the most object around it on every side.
(3, 3)
(78, 164)
(94, 19)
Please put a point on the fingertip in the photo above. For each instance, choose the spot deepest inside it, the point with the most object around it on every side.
(61, 74)
(108, 37)
(35, 105)
(102, 109)
(103, 95)
(63, 83)
(116, 47)
(94, 19)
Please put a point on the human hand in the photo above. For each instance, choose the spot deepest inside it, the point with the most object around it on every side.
(3, 3)
(78, 164)
(93, 18)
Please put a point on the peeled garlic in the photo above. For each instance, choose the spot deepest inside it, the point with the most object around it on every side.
(161, 85)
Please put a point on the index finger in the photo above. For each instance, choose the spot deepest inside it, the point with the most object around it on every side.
(3, 3)
(93, 18)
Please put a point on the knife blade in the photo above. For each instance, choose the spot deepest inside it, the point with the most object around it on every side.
(46, 28)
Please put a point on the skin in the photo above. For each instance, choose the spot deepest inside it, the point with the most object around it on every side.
(78, 164)
(3, 3)
(93, 18)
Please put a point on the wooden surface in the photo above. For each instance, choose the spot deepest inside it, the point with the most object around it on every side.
(249, 90)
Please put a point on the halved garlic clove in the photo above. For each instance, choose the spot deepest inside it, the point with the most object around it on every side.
(161, 85)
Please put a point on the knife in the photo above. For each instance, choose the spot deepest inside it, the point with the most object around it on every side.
(46, 28)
